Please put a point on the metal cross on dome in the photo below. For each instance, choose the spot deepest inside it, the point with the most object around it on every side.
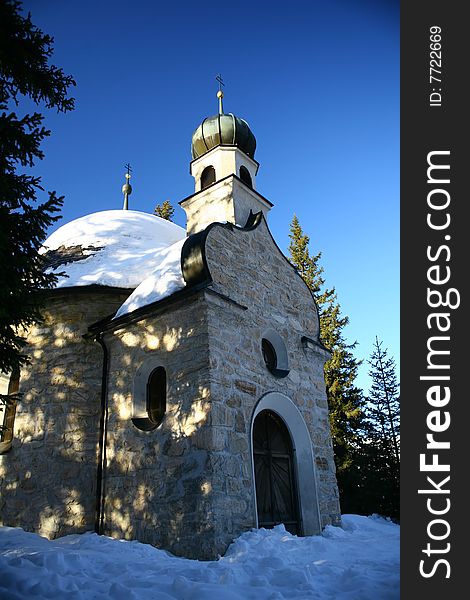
(127, 188)
(221, 81)
(220, 93)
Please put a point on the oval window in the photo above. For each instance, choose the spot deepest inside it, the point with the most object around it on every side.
(155, 401)
(269, 354)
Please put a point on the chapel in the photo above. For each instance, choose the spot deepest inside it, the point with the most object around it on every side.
(175, 392)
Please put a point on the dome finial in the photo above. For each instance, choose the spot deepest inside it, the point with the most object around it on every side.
(220, 93)
(127, 188)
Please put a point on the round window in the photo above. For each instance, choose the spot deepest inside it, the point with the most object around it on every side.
(274, 354)
(269, 354)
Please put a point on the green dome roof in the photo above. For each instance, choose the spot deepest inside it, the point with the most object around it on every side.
(223, 130)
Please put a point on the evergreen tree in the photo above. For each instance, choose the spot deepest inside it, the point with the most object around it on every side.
(376, 476)
(24, 75)
(344, 397)
(383, 416)
(306, 265)
(384, 400)
(165, 210)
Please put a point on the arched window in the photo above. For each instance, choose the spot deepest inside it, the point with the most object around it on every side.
(207, 177)
(8, 410)
(245, 176)
(274, 353)
(155, 401)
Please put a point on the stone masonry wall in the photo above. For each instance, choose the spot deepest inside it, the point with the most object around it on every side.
(48, 478)
(275, 297)
(157, 484)
(187, 486)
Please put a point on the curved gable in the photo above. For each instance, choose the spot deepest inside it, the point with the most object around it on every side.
(246, 265)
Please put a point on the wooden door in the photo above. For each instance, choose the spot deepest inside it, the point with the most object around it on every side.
(276, 493)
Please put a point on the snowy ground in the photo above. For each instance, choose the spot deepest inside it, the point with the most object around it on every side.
(359, 561)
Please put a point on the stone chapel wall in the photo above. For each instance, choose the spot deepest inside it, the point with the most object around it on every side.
(187, 486)
(158, 488)
(248, 268)
(48, 478)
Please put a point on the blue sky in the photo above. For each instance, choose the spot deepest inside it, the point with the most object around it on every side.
(318, 82)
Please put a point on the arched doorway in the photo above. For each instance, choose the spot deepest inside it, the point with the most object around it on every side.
(276, 490)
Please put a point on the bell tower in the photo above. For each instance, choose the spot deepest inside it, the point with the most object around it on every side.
(224, 171)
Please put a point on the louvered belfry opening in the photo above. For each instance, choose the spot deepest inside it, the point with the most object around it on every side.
(276, 493)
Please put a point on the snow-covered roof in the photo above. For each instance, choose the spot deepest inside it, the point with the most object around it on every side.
(117, 248)
(163, 281)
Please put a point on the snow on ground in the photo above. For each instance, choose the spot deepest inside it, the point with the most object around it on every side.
(117, 248)
(358, 561)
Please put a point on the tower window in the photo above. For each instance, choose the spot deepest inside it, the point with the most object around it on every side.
(207, 177)
(245, 176)
(155, 401)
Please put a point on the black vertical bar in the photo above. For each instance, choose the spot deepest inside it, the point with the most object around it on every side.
(434, 272)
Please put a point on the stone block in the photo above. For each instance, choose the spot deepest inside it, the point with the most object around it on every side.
(246, 387)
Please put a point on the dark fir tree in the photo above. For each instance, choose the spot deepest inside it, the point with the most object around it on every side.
(306, 265)
(381, 447)
(384, 399)
(165, 210)
(344, 397)
(25, 75)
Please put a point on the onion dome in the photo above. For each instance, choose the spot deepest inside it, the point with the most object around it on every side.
(223, 130)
